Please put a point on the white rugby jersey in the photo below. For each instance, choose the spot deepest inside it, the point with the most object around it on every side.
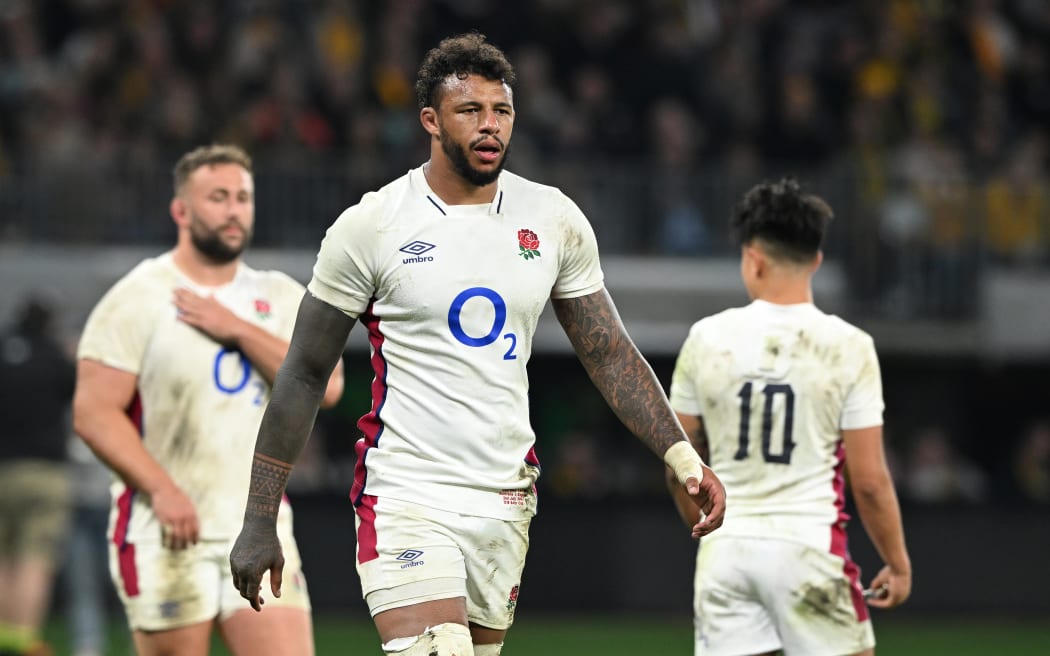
(198, 405)
(450, 296)
(775, 385)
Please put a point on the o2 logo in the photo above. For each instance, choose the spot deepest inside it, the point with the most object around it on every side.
(240, 379)
(498, 321)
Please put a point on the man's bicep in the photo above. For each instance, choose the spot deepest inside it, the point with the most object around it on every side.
(100, 387)
(865, 455)
(591, 323)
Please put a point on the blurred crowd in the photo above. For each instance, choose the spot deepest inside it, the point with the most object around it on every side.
(925, 122)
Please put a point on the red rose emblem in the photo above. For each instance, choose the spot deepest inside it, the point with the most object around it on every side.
(528, 244)
(528, 239)
(262, 306)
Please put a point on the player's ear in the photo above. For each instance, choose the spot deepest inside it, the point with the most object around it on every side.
(817, 261)
(179, 211)
(758, 261)
(428, 117)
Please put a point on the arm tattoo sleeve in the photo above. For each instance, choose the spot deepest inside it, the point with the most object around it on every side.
(618, 369)
(269, 477)
(317, 343)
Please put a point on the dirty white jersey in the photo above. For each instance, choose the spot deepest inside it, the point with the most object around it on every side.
(450, 297)
(774, 386)
(198, 404)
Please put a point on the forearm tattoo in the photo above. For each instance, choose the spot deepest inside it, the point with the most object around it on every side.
(269, 477)
(618, 370)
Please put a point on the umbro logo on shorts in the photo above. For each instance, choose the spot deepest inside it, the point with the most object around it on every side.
(411, 558)
(416, 249)
(170, 609)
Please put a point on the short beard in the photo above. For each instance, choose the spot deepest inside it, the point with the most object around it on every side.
(461, 164)
(210, 244)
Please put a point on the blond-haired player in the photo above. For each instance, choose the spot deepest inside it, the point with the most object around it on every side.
(785, 400)
(174, 372)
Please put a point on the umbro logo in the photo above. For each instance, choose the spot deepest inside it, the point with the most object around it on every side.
(416, 249)
(411, 558)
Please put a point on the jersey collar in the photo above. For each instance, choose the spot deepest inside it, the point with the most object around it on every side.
(419, 181)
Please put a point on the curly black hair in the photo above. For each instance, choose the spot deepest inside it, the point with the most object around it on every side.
(460, 55)
(789, 223)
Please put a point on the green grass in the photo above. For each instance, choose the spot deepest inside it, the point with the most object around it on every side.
(649, 636)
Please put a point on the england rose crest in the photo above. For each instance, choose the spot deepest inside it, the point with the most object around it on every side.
(262, 308)
(512, 598)
(528, 243)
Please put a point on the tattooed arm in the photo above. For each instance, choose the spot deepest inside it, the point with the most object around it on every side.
(317, 343)
(633, 392)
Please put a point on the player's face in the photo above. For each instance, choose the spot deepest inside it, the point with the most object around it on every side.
(220, 210)
(475, 119)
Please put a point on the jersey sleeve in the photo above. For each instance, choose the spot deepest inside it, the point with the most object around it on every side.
(118, 329)
(580, 271)
(684, 397)
(343, 274)
(864, 404)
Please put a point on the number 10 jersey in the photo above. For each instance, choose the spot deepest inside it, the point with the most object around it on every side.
(775, 385)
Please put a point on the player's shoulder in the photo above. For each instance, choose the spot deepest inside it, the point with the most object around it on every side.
(719, 322)
(272, 278)
(522, 191)
(845, 329)
(150, 273)
(137, 295)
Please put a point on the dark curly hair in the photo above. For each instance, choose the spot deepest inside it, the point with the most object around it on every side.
(460, 55)
(789, 223)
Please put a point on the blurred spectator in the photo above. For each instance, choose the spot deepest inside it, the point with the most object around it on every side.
(937, 473)
(944, 97)
(1017, 206)
(36, 387)
(580, 470)
(1031, 464)
(675, 138)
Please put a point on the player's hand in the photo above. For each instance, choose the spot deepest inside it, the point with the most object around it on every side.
(208, 315)
(709, 495)
(893, 587)
(256, 550)
(179, 526)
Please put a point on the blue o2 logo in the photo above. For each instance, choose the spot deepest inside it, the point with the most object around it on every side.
(224, 385)
(232, 384)
(499, 320)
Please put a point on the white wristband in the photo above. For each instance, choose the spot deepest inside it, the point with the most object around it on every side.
(685, 461)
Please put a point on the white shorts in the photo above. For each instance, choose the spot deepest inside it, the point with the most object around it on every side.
(757, 595)
(165, 589)
(409, 554)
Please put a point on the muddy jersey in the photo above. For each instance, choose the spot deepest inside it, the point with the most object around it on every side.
(198, 403)
(450, 297)
(775, 385)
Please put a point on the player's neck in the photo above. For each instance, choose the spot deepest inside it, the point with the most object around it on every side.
(202, 270)
(450, 186)
(788, 292)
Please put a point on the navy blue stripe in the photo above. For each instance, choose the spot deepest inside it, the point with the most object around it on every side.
(500, 203)
(436, 205)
